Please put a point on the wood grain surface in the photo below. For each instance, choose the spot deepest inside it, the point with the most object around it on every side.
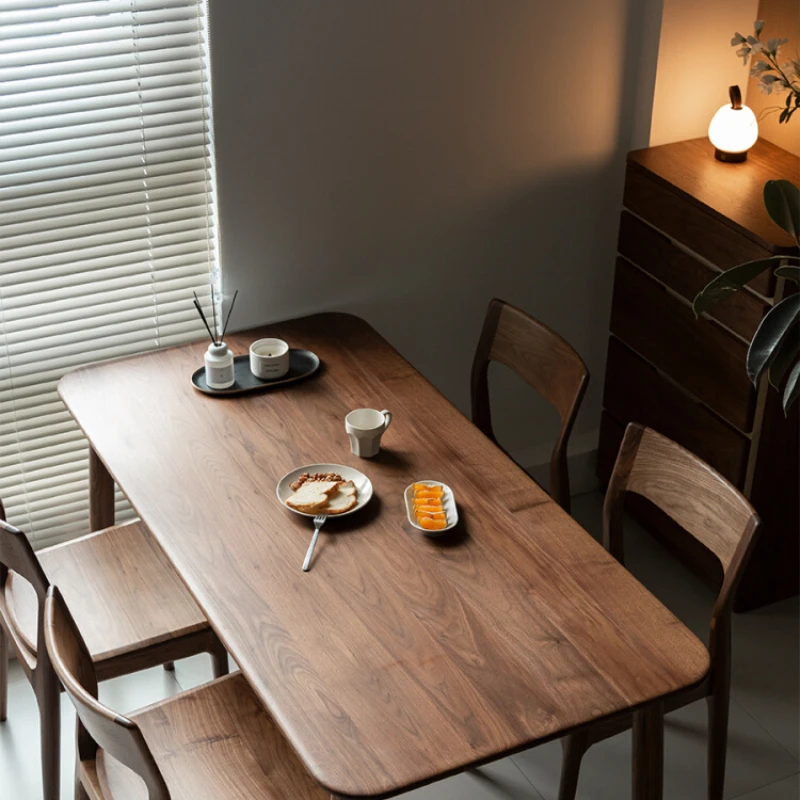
(214, 742)
(696, 353)
(728, 193)
(134, 609)
(656, 254)
(544, 360)
(705, 505)
(636, 392)
(397, 659)
(118, 585)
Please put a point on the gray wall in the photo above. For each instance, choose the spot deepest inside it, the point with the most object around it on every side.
(409, 160)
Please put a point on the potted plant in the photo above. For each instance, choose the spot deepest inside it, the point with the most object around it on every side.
(775, 348)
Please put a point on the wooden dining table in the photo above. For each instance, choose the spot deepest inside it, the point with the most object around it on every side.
(397, 659)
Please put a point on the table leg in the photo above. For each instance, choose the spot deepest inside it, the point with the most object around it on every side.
(101, 494)
(648, 753)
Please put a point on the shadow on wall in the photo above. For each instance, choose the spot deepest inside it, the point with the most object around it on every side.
(410, 161)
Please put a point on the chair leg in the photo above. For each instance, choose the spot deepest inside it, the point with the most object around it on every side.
(219, 658)
(3, 675)
(170, 666)
(573, 748)
(718, 704)
(50, 734)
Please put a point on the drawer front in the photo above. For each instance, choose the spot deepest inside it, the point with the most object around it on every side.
(636, 392)
(695, 353)
(655, 254)
(607, 448)
(691, 226)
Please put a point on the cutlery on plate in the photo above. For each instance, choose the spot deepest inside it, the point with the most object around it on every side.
(319, 521)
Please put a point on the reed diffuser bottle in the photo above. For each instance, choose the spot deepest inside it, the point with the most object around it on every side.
(219, 366)
(218, 358)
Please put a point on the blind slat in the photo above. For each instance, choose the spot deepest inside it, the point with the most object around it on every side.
(107, 221)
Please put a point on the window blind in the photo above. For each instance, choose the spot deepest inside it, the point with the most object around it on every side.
(107, 220)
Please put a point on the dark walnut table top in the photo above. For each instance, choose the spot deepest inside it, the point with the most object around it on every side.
(397, 659)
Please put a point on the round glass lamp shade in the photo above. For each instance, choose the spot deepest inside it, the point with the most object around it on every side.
(733, 129)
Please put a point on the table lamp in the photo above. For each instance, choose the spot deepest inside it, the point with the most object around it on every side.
(733, 129)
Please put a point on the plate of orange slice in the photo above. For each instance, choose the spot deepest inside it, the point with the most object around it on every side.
(431, 507)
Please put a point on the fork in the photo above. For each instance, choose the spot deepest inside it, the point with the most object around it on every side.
(319, 521)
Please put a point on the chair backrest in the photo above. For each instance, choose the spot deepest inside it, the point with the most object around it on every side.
(546, 362)
(694, 496)
(16, 555)
(99, 726)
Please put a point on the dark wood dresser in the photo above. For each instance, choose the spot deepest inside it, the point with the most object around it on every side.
(685, 217)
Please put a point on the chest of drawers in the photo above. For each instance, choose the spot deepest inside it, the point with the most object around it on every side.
(687, 216)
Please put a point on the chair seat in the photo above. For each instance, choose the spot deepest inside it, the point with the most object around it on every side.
(120, 587)
(215, 742)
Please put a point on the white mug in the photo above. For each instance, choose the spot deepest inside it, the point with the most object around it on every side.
(269, 358)
(365, 426)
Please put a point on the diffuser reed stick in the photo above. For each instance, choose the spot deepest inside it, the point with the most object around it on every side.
(199, 308)
(228, 318)
(214, 312)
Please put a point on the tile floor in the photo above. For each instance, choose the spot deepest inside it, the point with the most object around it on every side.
(764, 748)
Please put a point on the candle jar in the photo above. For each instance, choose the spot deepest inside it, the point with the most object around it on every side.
(269, 359)
(219, 366)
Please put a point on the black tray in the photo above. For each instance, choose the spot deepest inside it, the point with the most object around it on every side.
(302, 363)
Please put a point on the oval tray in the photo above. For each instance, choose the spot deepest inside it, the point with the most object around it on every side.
(448, 503)
(302, 363)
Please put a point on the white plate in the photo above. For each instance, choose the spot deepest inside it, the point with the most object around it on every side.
(362, 482)
(448, 506)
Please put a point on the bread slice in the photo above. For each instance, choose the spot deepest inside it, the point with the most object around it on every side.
(312, 496)
(343, 499)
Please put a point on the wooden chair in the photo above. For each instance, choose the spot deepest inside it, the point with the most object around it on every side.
(214, 741)
(545, 361)
(134, 608)
(716, 514)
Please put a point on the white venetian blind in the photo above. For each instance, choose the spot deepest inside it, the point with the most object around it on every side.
(107, 220)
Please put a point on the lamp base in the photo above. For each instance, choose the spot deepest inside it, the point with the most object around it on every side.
(731, 158)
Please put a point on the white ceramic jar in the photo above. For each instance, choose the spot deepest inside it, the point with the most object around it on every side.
(219, 366)
(269, 359)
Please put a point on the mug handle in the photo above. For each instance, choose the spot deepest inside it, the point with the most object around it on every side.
(388, 416)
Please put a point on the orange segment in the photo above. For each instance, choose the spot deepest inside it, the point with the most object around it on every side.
(427, 501)
(426, 509)
(432, 524)
(431, 491)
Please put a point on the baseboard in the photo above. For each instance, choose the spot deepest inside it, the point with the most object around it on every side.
(581, 458)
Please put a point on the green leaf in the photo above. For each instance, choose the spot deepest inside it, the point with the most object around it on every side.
(782, 200)
(730, 281)
(771, 333)
(784, 116)
(792, 390)
(787, 353)
(790, 273)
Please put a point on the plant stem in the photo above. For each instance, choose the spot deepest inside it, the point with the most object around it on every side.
(774, 62)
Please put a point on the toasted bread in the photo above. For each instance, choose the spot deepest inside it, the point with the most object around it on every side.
(343, 499)
(312, 496)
